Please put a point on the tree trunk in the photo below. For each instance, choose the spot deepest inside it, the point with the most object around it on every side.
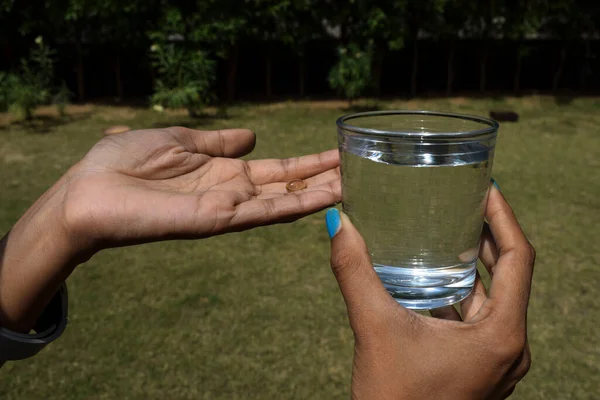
(118, 81)
(232, 72)
(450, 69)
(586, 70)
(517, 77)
(268, 72)
(344, 33)
(152, 75)
(9, 55)
(79, 71)
(301, 76)
(415, 69)
(377, 68)
(483, 69)
(560, 68)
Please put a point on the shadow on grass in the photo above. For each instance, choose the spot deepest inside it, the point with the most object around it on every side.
(44, 124)
(563, 100)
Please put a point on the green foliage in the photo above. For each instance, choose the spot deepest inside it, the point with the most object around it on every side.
(62, 98)
(220, 26)
(32, 86)
(7, 82)
(185, 74)
(351, 75)
(217, 24)
(385, 24)
(38, 69)
(24, 97)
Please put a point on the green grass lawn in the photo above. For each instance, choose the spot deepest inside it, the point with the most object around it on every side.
(257, 315)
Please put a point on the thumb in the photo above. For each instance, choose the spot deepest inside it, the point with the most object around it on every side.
(351, 264)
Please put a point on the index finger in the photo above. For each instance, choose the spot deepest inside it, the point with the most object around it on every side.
(219, 143)
(274, 170)
(511, 283)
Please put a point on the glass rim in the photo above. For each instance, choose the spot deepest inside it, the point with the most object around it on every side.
(492, 126)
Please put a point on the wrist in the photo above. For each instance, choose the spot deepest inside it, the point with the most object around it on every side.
(37, 255)
(51, 222)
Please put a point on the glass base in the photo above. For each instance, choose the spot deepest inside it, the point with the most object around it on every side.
(428, 288)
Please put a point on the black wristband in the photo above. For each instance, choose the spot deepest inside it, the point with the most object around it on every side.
(50, 325)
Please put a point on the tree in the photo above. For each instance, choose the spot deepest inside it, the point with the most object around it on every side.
(523, 17)
(302, 26)
(124, 25)
(448, 28)
(568, 21)
(72, 21)
(351, 76)
(485, 22)
(269, 21)
(185, 73)
(80, 17)
(421, 17)
(379, 24)
(220, 24)
(385, 27)
(31, 85)
(292, 23)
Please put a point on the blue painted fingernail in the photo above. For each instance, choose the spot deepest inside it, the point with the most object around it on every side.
(495, 184)
(333, 221)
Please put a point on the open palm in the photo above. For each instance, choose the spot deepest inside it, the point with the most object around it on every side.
(181, 183)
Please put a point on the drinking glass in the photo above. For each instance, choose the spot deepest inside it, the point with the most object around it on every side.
(415, 185)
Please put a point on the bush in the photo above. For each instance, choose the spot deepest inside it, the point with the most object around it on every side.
(185, 75)
(351, 75)
(185, 78)
(24, 97)
(21, 93)
(7, 82)
(62, 98)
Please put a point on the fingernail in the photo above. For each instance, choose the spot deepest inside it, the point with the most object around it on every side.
(333, 222)
(495, 184)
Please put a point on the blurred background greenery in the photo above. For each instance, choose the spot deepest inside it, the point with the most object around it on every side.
(192, 53)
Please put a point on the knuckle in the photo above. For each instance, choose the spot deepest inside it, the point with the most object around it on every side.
(525, 366)
(289, 165)
(221, 139)
(269, 208)
(509, 392)
(531, 253)
(509, 349)
(343, 263)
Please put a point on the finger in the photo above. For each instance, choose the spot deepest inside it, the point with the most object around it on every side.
(278, 209)
(273, 170)
(322, 178)
(488, 252)
(448, 312)
(220, 143)
(511, 284)
(334, 187)
(362, 289)
(471, 305)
